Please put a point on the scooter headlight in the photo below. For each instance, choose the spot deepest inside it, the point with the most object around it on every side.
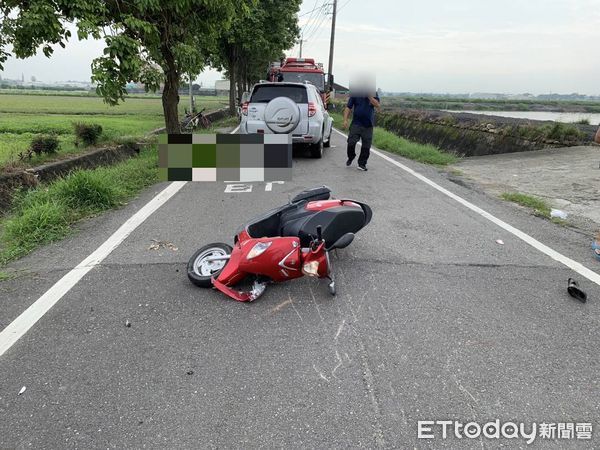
(311, 269)
(258, 249)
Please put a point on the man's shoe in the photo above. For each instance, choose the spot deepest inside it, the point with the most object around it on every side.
(363, 168)
(349, 162)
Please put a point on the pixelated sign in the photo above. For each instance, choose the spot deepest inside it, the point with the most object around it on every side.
(225, 157)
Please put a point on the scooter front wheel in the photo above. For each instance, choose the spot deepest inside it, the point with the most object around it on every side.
(204, 264)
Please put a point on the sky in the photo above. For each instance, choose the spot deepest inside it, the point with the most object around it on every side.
(440, 46)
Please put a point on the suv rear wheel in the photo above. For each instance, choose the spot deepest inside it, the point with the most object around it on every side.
(316, 150)
(327, 143)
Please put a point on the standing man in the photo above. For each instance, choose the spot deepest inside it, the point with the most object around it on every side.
(597, 138)
(363, 121)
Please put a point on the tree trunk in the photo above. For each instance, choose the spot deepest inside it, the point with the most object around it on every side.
(170, 101)
(240, 80)
(240, 89)
(170, 95)
(232, 105)
(232, 72)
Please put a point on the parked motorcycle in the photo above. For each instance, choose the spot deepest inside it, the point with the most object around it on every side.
(280, 245)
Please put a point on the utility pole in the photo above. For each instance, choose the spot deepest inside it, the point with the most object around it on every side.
(301, 41)
(331, 44)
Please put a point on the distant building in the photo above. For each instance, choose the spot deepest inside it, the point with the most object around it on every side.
(222, 87)
(339, 89)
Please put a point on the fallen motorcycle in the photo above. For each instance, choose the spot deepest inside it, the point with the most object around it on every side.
(280, 245)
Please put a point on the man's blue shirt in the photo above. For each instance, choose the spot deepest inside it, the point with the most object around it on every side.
(364, 112)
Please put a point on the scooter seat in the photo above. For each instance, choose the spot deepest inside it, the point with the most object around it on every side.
(334, 222)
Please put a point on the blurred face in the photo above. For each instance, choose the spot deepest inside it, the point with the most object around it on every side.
(362, 84)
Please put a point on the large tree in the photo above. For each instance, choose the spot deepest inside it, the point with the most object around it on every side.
(149, 41)
(257, 37)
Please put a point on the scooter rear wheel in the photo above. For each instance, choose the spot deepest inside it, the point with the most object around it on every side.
(200, 270)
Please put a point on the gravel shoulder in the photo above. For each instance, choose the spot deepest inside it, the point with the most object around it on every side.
(567, 178)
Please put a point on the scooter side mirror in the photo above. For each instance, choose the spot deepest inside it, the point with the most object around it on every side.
(343, 242)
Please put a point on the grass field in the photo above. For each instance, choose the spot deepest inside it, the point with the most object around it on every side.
(22, 116)
(49, 212)
(70, 104)
(385, 140)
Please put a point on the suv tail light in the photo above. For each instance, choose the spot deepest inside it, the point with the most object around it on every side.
(312, 109)
(245, 108)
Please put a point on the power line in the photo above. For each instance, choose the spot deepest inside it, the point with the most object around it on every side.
(313, 10)
(320, 32)
(311, 14)
(316, 38)
(342, 7)
(311, 30)
(311, 27)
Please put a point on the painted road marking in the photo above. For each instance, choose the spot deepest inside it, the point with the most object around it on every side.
(269, 186)
(230, 188)
(28, 318)
(574, 265)
(235, 186)
(18, 327)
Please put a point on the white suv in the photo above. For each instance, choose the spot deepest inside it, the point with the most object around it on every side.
(288, 108)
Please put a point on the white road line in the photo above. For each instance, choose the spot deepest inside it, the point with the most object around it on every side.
(574, 265)
(18, 327)
(28, 318)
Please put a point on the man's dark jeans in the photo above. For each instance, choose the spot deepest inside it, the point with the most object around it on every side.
(365, 134)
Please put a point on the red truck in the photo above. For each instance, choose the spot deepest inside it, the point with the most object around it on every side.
(300, 70)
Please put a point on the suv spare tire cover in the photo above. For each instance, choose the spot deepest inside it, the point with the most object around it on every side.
(282, 115)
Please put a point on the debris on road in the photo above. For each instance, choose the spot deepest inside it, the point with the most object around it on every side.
(499, 241)
(558, 214)
(128, 324)
(575, 291)
(157, 245)
(22, 390)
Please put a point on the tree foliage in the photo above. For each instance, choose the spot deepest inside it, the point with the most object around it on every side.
(147, 41)
(258, 36)
(156, 42)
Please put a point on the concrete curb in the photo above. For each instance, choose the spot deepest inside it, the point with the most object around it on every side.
(28, 178)
(31, 177)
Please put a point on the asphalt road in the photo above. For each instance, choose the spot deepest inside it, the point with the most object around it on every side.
(434, 320)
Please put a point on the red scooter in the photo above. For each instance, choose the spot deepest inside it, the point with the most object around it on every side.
(285, 243)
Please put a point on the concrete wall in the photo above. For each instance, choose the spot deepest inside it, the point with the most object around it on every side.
(476, 135)
(29, 178)
(9, 182)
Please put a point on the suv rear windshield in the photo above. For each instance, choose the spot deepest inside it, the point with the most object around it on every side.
(264, 94)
